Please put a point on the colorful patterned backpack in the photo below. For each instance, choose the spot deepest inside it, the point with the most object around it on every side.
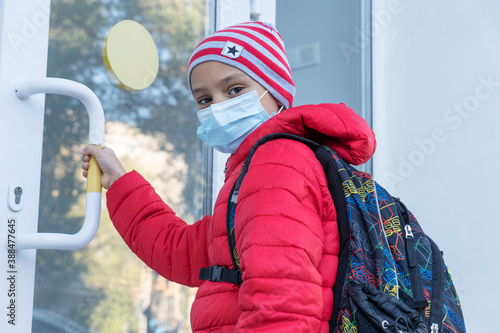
(391, 275)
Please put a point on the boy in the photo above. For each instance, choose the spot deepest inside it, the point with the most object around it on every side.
(286, 227)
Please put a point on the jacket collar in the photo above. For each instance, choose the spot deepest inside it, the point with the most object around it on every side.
(334, 125)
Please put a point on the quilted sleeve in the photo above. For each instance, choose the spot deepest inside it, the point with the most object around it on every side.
(280, 240)
(154, 233)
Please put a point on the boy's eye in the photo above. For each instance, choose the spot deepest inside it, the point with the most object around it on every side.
(236, 90)
(204, 100)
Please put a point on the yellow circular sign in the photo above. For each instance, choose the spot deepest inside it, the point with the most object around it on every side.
(131, 56)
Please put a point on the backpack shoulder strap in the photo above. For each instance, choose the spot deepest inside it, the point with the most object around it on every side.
(233, 195)
(331, 163)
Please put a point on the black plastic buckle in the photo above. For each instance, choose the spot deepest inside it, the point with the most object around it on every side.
(239, 278)
(216, 273)
(221, 274)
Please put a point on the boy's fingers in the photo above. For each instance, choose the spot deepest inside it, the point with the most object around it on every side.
(90, 150)
(83, 150)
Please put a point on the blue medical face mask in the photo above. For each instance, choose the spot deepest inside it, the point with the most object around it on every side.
(225, 125)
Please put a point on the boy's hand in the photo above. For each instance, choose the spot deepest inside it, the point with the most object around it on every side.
(111, 167)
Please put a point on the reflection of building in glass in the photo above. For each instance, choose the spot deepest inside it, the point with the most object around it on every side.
(50, 321)
(163, 305)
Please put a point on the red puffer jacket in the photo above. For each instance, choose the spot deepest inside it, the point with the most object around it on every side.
(286, 229)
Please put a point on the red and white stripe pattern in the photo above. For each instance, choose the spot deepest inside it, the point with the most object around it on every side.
(257, 49)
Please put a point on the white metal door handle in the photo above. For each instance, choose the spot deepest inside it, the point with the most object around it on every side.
(57, 241)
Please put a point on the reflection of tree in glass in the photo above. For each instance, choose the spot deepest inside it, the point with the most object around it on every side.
(163, 112)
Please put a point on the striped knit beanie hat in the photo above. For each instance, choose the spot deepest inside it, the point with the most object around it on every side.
(257, 49)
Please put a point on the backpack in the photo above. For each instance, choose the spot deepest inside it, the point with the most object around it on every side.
(391, 276)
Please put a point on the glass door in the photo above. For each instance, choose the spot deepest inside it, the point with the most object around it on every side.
(104, 287)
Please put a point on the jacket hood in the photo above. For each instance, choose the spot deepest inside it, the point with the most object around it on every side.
(334, 125)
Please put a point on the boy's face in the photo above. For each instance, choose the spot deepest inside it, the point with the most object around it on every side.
(213, 82)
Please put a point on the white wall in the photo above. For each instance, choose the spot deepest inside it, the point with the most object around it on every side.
(436, 84)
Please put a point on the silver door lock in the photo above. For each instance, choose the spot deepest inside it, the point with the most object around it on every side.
(15, 199)
(17, 192)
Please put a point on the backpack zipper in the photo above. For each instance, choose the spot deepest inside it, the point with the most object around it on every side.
(437, 298)
(409, 240)
(410, 244)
